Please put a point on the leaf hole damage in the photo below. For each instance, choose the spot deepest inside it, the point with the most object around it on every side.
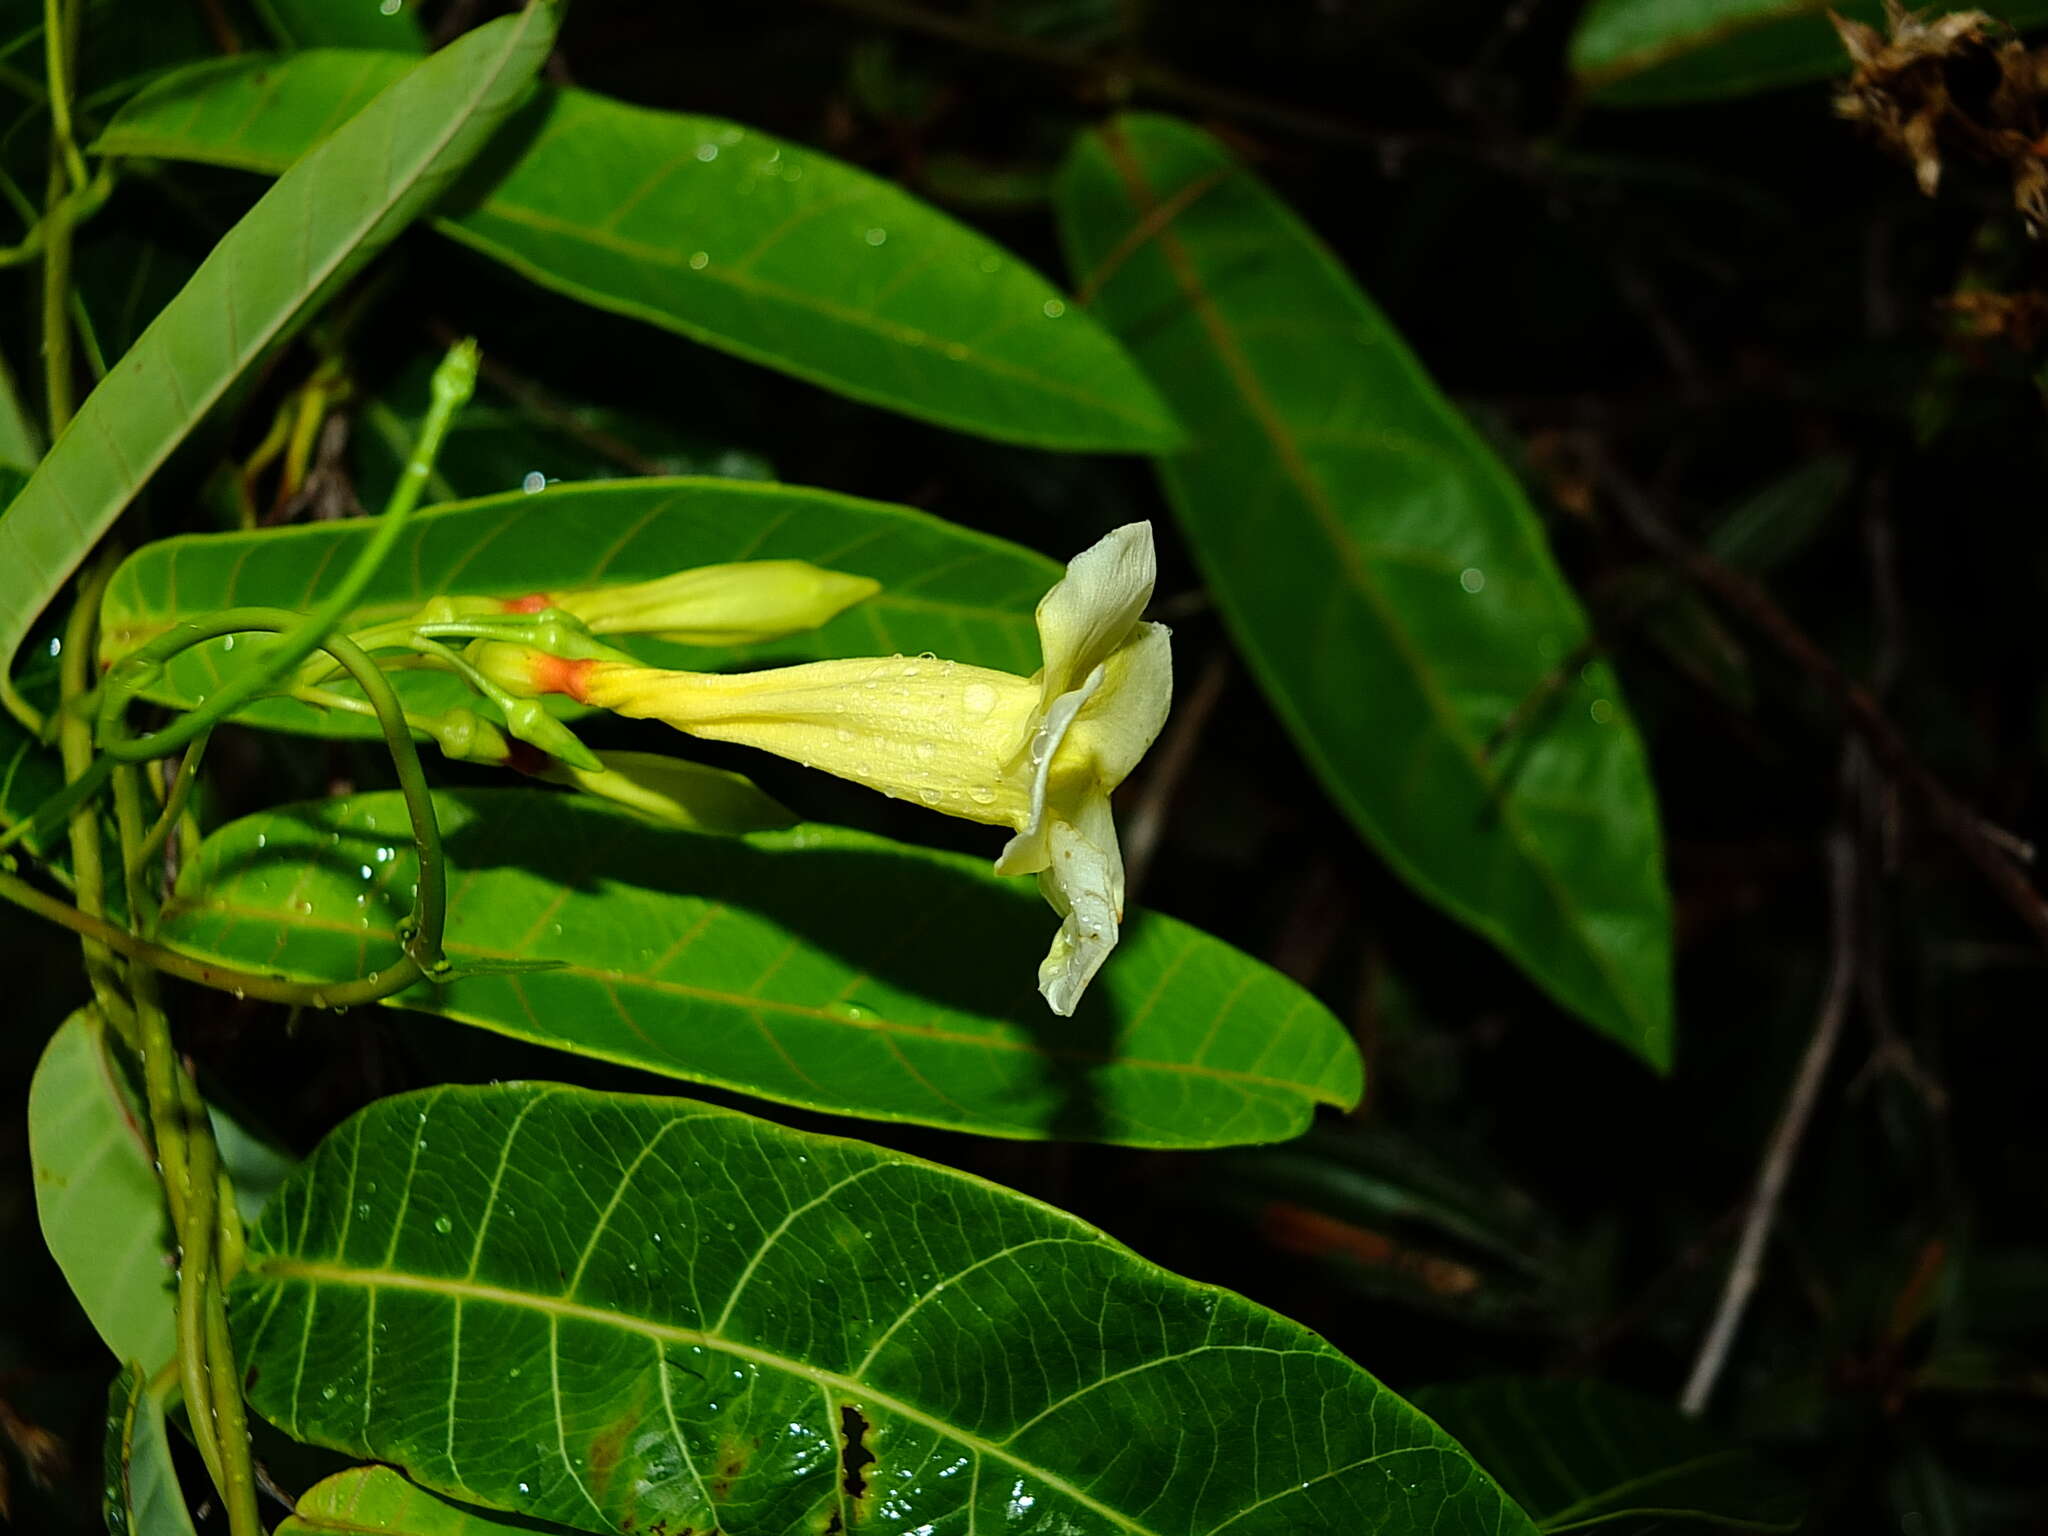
(854, 1456)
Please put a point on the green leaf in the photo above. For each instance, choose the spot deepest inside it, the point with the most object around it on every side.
(1668, 52)
(385, 24)
(956, 593)
(322, 220)
(1383, 574)
(97, 1195)
(613, 1312)
(818, 966)
(1577, 1454)
(30, 773)
(376, 1501)
(760, 247)
(141, 1494)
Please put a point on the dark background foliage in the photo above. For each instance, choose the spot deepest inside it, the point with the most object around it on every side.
(1731, 319)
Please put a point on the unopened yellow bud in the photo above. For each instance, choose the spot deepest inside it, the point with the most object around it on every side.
(740, 604)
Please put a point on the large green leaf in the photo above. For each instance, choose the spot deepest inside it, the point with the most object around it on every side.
(763, 248)
(376, 1501)
(947, 590)
(1665, 52)
(818, 966)
(333, 210)
(1383, 574)
(1577, 1454)
(616, 1312)
(97, 1196)
(141, 1496)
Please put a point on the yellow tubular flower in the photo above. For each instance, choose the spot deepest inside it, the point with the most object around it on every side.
(1039, 755)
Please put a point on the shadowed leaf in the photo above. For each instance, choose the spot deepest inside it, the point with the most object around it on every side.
(818, 966)
(1384, 575)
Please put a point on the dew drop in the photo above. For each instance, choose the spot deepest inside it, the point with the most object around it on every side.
(982, 795)
(876, 236)
(443, 1225)
(978, 698)
(929, 796)
(1054, 309)
(533, 482)
(707, 152)
(1602, 711)
(228, 644)
(1472, 579)
(926, 751)
(699, 260)
(328, 1391)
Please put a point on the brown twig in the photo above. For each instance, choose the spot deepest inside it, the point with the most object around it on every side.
(1783, 1147)
(1957, 821)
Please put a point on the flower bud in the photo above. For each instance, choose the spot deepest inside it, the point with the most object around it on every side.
(738, 604)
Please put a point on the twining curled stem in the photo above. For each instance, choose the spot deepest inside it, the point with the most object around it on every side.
(424, 927)
(454, 381)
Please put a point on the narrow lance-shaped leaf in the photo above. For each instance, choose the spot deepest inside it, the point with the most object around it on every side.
(323, 219)
(638, 1314)
(945, 589)
(376, 1501)
(745, 242)
(1383, 574)
(1580, 1455)
(819, 966)
(141, 1496)
(1667, 52)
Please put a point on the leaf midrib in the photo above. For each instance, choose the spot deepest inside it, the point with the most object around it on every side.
(746, 1002)
(1316, 497)
(316, 1273)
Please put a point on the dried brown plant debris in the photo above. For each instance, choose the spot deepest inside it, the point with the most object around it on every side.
(1958, 82)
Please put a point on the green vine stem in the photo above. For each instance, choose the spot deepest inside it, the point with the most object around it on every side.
(454, 382)
(425, 925)
(74, 744)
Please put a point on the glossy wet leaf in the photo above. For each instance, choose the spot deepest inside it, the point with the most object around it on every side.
(817, 966)
(1665, 52)
(1383, 574)
(1580, 1455)
(323, 219)
(344, 24)
(376, 1501)
(97, 1196)
(615, 1312)
(956, 593)
(140, 1495)
(760, 247)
